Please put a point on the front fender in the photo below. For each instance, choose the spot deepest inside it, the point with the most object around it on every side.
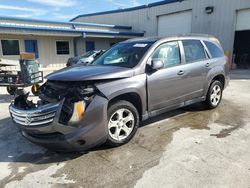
(135, 84)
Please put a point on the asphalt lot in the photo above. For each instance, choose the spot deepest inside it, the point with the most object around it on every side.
(190, 147)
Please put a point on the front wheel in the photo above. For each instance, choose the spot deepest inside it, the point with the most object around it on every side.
(214, 95)
(123, 121)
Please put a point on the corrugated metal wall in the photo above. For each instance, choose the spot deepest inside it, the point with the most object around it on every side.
(221, 23)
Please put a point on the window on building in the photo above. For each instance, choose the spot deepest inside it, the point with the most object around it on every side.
(214, 50)
(62, 47)
(169, 53)
(194, 51)
(10, 47)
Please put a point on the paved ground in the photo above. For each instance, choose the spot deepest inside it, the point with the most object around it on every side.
(191, 147)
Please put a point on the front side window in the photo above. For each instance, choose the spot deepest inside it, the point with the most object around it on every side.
(168, 53)
(10, 47)
(194, 51)
(214, 50)
(62, 47)
(127, 54)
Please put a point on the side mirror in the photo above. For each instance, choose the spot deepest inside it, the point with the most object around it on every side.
(157, 64)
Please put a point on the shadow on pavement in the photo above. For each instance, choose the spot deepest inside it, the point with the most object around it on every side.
(15, 148)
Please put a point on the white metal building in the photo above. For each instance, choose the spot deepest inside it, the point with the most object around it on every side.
(229, 20)
(54, 42)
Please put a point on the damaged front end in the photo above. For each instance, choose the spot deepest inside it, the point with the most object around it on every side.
(64, 102)
(63, 117)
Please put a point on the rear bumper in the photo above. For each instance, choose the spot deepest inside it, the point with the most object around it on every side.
(90, 131)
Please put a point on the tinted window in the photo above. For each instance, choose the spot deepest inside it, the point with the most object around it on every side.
(10, 47)
(62, 47)
(169, 53)
(214, 50)
(126, 54)
(194, 51)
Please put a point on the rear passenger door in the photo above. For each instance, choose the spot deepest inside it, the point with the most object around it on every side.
(197, 65)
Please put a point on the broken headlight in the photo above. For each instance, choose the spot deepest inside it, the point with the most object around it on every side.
(75, 103)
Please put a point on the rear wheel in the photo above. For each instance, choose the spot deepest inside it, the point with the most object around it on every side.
(214, 95)
(123, 121)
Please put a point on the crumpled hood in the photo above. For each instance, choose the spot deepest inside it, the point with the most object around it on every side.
(84, 73)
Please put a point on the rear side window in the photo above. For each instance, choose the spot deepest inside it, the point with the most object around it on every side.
(194, 51)
(214, 50)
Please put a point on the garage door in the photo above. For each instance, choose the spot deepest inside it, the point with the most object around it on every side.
(242, 34)
(177, 23)
(243, 22)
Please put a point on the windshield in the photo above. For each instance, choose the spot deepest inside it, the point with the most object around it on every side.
(124, 54)
(87, 54)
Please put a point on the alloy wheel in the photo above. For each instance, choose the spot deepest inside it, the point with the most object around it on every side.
(121, 124)
(215, 95)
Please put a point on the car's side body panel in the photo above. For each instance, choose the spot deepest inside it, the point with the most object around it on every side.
(219, 66)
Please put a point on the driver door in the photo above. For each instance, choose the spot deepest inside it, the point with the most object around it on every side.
(165, 86)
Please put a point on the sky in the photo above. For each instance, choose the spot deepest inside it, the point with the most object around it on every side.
(62, 10)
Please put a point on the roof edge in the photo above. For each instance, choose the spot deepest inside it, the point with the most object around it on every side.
(69, 23)
(115, 33)
(128, 9)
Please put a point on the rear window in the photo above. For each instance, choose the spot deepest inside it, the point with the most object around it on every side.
(214, 50)
(194, 51)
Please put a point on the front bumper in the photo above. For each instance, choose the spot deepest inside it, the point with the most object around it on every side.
(41, 126)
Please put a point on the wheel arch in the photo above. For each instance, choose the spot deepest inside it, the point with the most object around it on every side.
(219, 77)
(132, 97)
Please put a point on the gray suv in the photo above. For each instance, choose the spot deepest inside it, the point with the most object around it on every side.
(80, 107)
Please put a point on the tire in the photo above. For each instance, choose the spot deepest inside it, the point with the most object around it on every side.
(11, 90)
(117, 125)
(214, 94)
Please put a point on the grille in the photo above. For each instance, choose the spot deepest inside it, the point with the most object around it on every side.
(39, 116)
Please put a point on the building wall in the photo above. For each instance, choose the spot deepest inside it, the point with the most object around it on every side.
(100, 43)
(46, 48)
(220, 24)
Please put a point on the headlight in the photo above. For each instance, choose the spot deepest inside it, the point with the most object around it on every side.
(78, 112)
(75, 103)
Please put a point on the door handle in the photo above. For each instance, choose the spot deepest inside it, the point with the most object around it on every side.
(181, 72)
(207, 64)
